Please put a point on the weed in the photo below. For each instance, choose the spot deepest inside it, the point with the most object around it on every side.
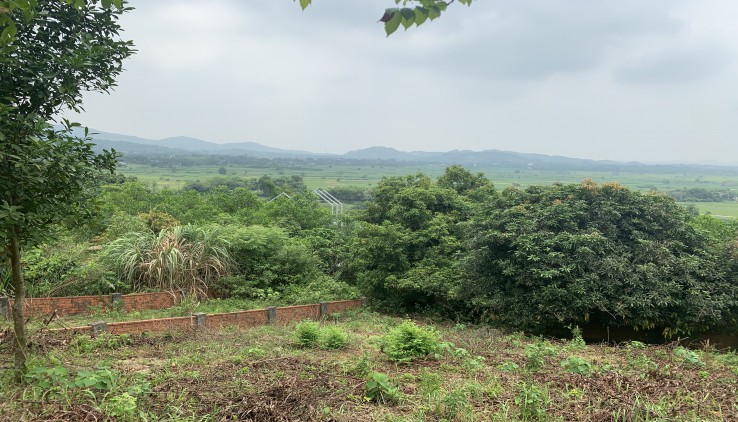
(577, 365)
(577, 341)
(508, 366)
(122, 407)
(573, 393)
(408, 342)
(333, 338)
(429, 383)
(363, 366)
(380, 389)
(57, 382)
(635, 345)
(688, 357)
(307, 334)
(532, 402)
(105, 341)
(455, 403)
(536, 354)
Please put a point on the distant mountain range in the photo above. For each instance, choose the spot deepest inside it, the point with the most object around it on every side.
(132, 145)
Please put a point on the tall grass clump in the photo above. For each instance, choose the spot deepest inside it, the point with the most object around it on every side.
(182, 257)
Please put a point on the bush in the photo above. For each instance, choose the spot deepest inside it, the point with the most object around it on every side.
(333, 338)
(551, 256)
(184, 257)
(408, 342)
(321, 288)
(307, 334)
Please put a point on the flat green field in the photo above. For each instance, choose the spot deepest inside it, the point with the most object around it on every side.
(717, 209)
(326, 176)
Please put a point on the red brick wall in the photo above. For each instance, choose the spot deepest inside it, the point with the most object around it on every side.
(72, 305)
(75, 305)
(244, 319)
(151, 325)
(343, 305)
(297, 313)
(145, 301)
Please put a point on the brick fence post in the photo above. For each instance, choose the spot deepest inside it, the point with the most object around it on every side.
(4, 307)
(201, 319)
(323, 309)
(116, 301)
(272, 314)
(98, 328)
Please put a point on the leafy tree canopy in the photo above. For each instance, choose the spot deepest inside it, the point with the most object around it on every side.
(56, 52)
(548, 257)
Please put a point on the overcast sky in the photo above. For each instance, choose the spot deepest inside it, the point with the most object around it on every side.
(628, 80)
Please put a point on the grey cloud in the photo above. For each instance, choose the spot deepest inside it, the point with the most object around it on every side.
(533, 40)
(676, 66)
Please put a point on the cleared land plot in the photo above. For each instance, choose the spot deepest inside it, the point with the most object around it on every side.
(260, 374)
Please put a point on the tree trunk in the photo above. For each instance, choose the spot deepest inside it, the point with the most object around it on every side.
(19, 322)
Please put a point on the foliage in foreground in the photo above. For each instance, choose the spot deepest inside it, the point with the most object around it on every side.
(258, 374)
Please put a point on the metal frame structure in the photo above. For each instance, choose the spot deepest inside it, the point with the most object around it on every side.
(335, 204)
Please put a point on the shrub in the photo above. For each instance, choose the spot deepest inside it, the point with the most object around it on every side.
(333, 338)
(307, 334)
(551, 256)
(536, 356)
(318, 289)
(184, 257)
(408, 342)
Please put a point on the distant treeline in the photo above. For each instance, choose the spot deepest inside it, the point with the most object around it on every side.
(703, 195)
(192, 159)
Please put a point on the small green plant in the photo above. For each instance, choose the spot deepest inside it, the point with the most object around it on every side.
(307, 334)
(122, 407)
(380, 389)
(688, 357)
(429, 383)
(536, 354)
(408, 342)
(643, 363)
(576, 365)
(532, 402)
(333, 338)
(362, 367)
(573, 393)
(636, 345)
(455, 403)
(508, 366)
(104, 341)
(577, 341)
(58, 382)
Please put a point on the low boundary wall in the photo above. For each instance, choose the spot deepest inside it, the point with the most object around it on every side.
(75, 305)
(243, 319)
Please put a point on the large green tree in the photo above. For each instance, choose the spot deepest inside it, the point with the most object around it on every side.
(551, 256)
(58, 52)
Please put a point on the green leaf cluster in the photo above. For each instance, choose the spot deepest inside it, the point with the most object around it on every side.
(408, 342)
(582, 254)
